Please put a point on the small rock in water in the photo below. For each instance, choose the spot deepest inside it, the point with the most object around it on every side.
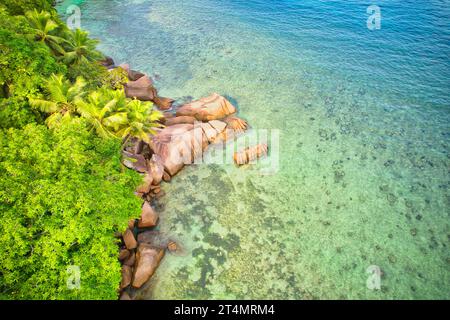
(250, 154)
(172, 246)
(236, 124)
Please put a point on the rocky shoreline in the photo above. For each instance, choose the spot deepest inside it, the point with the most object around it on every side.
(187, 131)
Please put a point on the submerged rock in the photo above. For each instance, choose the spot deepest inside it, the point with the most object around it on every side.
(250, 154)
(147, 260)
(209, 108)
(236, 124)
(172, 246)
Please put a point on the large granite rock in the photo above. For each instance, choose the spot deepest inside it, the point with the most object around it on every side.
(178, 145)
(149, 217)
(156, 169)
(147, 260)
(141, 89)
(129, 240)
(180, 120)
(125, 296)
(218, 125)
(123, 254)
(209, 108)
(209, 131)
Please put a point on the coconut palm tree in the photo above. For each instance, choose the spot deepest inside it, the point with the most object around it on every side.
(44, 30)
(142, 121)
(79, 48)
(110, 114)
(105, 110)
(60, 100)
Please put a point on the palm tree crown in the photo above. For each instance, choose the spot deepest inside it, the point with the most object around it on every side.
(105, 110)
(61, 99)
(80, 48)
(44, 29)
(142, 119)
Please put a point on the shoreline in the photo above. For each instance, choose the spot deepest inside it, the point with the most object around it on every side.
(188, 130)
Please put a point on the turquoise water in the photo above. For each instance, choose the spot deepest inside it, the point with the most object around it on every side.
(364, 165)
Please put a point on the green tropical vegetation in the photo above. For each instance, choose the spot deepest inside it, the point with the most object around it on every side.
(63, 123)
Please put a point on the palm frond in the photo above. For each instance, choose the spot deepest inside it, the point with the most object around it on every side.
(44, 105)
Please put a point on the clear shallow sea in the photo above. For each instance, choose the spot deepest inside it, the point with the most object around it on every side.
(364, 120)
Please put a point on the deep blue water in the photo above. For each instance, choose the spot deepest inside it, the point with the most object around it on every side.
(409, 56)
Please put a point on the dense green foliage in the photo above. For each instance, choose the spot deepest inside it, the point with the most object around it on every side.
(63, 195)
(24, 64)
(64, 191)
(17, 7)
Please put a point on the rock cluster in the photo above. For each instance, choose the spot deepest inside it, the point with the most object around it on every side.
(187, 133)
(140, 86)
(141, 251)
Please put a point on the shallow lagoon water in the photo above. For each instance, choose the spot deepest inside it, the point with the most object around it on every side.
(363, 118)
